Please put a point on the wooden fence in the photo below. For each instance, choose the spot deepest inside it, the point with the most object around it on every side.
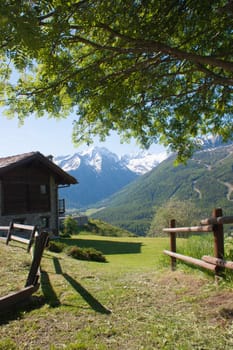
(214, 224)
(36, 242)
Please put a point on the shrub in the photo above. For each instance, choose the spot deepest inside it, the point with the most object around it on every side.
(56, 246)
(70, 226)
(86, 254)
(95, 255)
(63, 235)
(184, 212)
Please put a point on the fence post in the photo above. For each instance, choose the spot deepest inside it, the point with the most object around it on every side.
(40, 243)
(32, 237)
(218, 238)
(8, 237)
(172, 224)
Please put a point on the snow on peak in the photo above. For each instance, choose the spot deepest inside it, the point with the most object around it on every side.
(95, 162)
(143, 162)
(94, 156)
(68, 163)
(139, 163)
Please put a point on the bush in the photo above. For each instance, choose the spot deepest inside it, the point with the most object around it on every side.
(64, 235)
(95, 255)
(56, 246)
(184, 212)
(86, 254)
(70, 226)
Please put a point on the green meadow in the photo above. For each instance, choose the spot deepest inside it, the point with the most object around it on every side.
(132, 301)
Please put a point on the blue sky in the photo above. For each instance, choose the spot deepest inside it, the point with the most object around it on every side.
(51, 136)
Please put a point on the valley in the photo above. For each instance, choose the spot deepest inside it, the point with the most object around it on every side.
(123, 198)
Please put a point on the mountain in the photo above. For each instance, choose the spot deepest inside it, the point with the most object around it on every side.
(101, 173)
(206, 179)
(142, 162)
(213, 141)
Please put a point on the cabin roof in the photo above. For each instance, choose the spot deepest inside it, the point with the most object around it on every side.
(11, 162)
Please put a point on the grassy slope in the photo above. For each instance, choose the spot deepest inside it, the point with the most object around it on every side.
(131, 302)
(134, 206)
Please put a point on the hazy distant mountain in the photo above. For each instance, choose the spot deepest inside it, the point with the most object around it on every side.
(210, 142)
(101, 173)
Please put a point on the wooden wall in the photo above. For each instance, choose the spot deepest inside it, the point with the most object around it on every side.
(26, 189)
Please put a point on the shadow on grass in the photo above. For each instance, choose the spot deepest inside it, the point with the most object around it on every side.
(105, 246)
(57, 266)
(17, 311)
(50, 297)
(48, 291)
(93, 302)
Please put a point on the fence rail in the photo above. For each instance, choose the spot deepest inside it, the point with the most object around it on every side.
(13, 227)
(207, 228)
(213, 224)
(32, 283)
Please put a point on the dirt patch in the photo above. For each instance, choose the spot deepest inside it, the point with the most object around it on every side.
(218, 307)
(201, 294)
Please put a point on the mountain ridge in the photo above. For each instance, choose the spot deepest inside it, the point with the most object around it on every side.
(101, 173)
(105, 178)
(144, 160)
(206, 180)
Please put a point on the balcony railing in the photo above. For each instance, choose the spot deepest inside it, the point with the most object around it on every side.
(61, 206)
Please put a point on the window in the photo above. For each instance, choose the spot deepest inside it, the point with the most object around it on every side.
(43, 189)
(44, 221)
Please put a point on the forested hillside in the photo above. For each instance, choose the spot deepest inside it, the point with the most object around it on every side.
(206, 180)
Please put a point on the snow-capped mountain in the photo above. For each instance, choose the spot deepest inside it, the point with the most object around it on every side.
(101, 173)
(212, 141)
(142, 162)
(138, 163)
(92, 157)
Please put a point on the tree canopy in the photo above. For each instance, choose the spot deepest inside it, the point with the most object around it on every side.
(158, 71)
(184, 212)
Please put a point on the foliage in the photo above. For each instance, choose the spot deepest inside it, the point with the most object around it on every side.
(102, 228)
(56, 246)
(153, 70)
(70, 226)
(184, 212)
(86, 254)
(204, 180)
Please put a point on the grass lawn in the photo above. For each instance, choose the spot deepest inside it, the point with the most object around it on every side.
(132, 302)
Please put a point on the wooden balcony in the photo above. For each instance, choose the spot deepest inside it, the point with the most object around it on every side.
(61, 206)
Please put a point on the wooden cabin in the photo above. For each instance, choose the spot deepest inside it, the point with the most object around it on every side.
(29, 186)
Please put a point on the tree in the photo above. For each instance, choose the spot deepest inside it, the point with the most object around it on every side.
(184, 212)
(70, 226)
(158, 71)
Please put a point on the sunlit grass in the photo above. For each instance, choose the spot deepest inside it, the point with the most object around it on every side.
(132, 302)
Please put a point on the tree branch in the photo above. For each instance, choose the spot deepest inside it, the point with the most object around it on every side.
(217, 78)
(145, 45)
